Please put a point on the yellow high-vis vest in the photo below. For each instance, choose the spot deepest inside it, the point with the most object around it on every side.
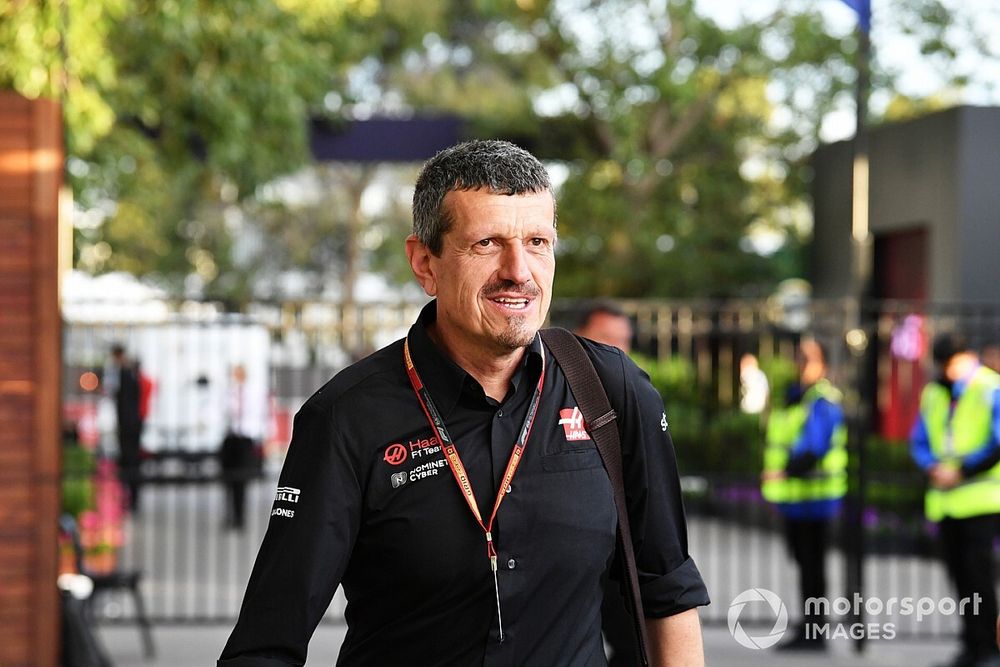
(967, 430)
(828, 480)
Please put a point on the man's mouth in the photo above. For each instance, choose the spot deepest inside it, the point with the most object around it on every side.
(514, 303)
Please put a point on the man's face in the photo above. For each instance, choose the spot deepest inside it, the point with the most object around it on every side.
(959, 365)
(493, 279)
(609, 329)
(810, 361)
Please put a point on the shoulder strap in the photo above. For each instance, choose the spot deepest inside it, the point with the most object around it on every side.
(600, 420)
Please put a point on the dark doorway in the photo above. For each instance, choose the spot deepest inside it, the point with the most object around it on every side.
(901, 273)
(901, 265)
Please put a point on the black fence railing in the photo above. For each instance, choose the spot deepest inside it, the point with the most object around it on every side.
(737, 540)
(194, 568)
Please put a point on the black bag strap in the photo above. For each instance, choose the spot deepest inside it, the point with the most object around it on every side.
(601, 422)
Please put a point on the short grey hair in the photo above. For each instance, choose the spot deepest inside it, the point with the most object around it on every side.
(499, 167)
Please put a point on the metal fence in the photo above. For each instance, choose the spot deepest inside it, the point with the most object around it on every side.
(195, 569)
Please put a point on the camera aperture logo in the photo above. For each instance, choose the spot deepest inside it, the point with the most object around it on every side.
(777, 607)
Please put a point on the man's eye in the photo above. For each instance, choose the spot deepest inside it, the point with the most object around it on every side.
(537, 241)
(485, 243)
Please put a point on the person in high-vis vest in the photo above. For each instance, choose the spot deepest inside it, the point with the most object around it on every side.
(956, 442)
(805, 476)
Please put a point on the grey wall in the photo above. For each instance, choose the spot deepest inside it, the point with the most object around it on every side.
(979, 205)
(940, 173)
(829, 264)
(913, 186)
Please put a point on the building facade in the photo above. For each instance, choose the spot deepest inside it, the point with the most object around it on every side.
(934, 209)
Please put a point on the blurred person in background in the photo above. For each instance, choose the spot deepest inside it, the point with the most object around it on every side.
(754, 388)
(604, 322)
(122, 383)
(239, 456)
(956, 442)
(805, 476)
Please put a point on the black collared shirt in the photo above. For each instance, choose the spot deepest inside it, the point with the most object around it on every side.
(366, 500)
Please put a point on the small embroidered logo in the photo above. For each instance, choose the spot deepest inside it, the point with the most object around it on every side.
(571, 420)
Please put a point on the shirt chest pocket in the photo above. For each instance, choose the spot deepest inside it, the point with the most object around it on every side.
(572, 458)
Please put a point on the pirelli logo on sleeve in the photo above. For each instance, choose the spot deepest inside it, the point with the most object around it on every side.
(286, 494)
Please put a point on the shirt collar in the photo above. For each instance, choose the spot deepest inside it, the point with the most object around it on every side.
(446, 380)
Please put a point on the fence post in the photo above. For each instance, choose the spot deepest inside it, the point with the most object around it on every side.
(861, 336)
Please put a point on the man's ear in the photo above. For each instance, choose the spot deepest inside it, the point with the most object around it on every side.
(420, 263)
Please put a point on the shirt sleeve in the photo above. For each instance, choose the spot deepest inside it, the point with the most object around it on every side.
(920, 445)
(669, 580)
(305, 549)
(817, 435)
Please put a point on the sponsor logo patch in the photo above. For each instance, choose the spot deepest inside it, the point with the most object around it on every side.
(395, 454)
(287, 494)
(422, 457)
(571, 419)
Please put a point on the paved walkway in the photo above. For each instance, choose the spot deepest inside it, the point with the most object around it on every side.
(190, 646)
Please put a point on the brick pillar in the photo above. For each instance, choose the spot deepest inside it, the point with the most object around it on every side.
(31, 165)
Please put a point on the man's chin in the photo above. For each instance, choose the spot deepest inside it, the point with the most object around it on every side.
(517, 335)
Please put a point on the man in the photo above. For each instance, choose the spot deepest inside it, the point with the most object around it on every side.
(239, 455)
(805, 475)
(754, 387)
(495, 554)
(956, 442)
(604, 322)
(122, 383)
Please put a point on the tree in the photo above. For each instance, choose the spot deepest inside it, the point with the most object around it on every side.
(175, 110)
(681, 139)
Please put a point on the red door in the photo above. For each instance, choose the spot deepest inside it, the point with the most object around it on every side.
(901, 273)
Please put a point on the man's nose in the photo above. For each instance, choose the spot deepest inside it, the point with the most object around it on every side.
(514, 264)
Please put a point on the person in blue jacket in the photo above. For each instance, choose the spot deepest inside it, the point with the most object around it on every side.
(956, 442)
(805, 476)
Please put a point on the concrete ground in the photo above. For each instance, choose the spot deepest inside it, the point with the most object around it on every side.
(190, 646)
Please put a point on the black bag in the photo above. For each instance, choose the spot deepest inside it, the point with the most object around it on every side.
(601, 422)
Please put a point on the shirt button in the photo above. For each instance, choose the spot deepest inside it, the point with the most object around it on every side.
(509, 488)
(511, 564)
(499, 413)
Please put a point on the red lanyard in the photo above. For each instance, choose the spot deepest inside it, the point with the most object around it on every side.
(455, 461)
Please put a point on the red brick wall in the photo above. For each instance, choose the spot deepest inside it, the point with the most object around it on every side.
(31, 159)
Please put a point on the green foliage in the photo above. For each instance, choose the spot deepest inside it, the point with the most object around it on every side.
(781, 373)
(77, 480)
(666, 121)
(673, 377)
(660, 201)
(734, 443)
(705, 439)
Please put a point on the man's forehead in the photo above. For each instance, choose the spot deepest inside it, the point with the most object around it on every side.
(485, 194)
(471, 208)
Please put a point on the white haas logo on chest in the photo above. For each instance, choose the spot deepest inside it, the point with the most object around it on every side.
(571, 420)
